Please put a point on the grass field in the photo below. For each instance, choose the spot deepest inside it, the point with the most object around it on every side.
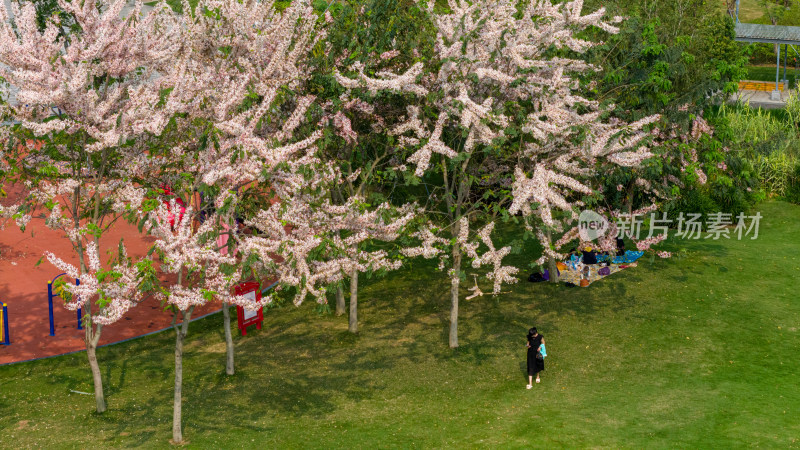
(750, 11)
(693, 352)
(767, 73)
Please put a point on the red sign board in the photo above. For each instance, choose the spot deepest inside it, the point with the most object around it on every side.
(247, 317)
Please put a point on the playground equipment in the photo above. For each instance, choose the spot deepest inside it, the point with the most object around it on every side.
(4, 325)
(50, 296)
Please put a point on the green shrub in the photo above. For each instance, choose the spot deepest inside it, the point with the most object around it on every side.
(695, 200)
(793, 189)
(762, 53)
(734, 186)
(732, 191)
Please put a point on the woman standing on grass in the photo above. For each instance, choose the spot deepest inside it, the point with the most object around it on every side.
(536, 354)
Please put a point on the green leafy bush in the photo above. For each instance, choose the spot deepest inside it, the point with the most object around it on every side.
(693, 200)
(793, 189)
(731, 184)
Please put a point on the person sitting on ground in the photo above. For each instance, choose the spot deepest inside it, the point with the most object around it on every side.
(589, 255)
(620, 247)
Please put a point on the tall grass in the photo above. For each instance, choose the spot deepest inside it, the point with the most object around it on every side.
(770, 140)
(776, 172)
(759, 131)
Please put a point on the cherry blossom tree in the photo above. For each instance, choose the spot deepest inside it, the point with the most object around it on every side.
(85, 100)
(503, 92)
(362, 162)
(236, 63)
(239, 137)
(238, 76)
(391, 33)
(312, 244)
(190, 256)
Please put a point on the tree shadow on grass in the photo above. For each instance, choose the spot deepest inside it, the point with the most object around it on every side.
(295, 371)
(109, 386)
(130, 421)
(485, 322)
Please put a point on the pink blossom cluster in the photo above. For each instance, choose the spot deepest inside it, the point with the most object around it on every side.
(14, 212)
(499, 274)
(431, 244)
(540, 189)
(119, 292)
(341, 124)
(52, 71)
(702, 178)
(700, 127)
(389, 54)
(312, 243)
(646, 243)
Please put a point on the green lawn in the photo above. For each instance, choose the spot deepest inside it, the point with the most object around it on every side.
(698, 352)
(762, 73)
(750, 11)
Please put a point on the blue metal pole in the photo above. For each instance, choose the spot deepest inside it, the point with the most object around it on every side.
(80, 322)
(6, 339)
(778, 68)
(50, 305)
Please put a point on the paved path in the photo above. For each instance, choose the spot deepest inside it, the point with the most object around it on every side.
(761, 99)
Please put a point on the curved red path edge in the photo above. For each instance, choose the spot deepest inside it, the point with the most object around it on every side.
(23, 287)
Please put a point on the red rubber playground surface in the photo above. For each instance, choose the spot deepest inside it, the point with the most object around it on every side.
(23, 287)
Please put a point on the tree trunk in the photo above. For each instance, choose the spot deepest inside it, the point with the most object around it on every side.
(180, 333)
(455, 282)
(552, 269)
(353, 327)
(629, 202)
(629, 207)
(91, 338)
(340, 305)
(91, 352)
(226, 314)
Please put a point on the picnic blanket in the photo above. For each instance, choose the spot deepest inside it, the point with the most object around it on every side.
(629, 257)
(573, 272)
(574, 275)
